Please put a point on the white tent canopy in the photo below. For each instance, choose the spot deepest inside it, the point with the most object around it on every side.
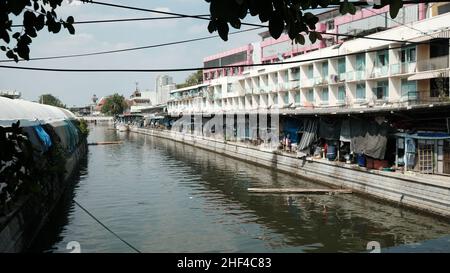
(30, 113)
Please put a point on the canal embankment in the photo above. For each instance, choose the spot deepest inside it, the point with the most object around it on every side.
(428, 193)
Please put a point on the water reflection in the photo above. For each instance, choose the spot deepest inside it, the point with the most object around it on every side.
(164, 196)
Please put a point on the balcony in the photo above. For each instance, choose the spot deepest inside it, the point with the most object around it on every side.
(280, 87)
(410, 96)
(433, 64)
(349, 76)
(294, 85)
(380, 93)
(403, 68)
(360, 75)
(307, 82)
(379, 71)
(320, 81)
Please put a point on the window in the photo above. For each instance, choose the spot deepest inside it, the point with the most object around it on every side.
(382, 90)
(310, 71)
(408, 55)
(275, 99)
(439, 47)
(360, 62)
(341, 65)
(297, 97)
(310, 95)
(382, 58)
(257, 82)
(341, 93)
(409, 89)
(325, 69)
(443, 9)
(275, 78)
(286, 98)
(295, 73)
(439, 87)
(230, 87)
(286, 76)
(330, 24)
(324, 97)
(361, 91)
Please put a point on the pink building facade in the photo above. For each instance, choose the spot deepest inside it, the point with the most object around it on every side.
(362, 22)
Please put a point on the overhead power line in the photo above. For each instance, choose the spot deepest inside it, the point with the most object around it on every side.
(125, 20)
(130, 48)
(177, 15)
(107, 228)
(193, 40)
(182, 69)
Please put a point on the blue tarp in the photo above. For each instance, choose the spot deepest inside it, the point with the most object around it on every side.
(43, 136)
(291, 127)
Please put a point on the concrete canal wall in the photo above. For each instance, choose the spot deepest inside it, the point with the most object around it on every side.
(19, 228)
(428, 193)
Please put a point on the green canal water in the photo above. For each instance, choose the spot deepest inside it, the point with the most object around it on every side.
(164, 196)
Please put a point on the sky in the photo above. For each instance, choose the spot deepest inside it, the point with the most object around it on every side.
(76, 89)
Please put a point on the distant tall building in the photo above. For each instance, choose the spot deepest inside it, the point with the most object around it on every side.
(164, 84)
(162, 80)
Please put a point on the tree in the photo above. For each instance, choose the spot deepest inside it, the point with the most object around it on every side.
(35, 14)
(49, 99)
(193, 79)
(281, 15)
(114, 105)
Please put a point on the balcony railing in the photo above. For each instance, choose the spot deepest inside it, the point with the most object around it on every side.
(320, 80)
(403, 68)
(433, 64)
(360, 75)
(307, 82)
(379, 71)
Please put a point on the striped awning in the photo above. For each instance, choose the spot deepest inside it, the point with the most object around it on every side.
(430, 36)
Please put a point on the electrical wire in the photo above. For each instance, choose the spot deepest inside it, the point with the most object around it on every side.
(128, 49)
(177, 15)
(182, 69)
(107, 228)
(123, 20)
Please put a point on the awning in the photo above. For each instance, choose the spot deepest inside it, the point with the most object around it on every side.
(431, 36)
(427, 75)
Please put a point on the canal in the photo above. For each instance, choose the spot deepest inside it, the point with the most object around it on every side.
(164, 196)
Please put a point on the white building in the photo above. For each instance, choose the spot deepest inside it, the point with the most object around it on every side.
(357, 75)
(164, 84)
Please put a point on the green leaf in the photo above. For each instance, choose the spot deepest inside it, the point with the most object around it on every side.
(312, 37)
(300, 39)
(395, 7)
(71, 29)
(70, 20)
(223, 29)
(276, 26)
(212, 26)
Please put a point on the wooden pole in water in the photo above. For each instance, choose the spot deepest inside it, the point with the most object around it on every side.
(106, 143)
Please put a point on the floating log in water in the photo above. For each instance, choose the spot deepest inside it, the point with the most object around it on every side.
(298, 190)
(106, 143)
